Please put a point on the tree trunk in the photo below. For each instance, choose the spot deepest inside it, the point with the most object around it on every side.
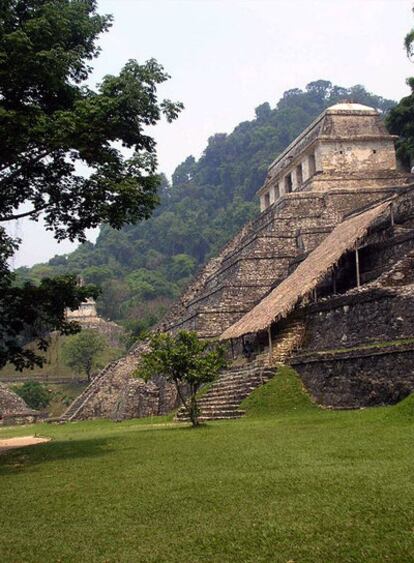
(88, 369)
(194, 412)
(192, 407)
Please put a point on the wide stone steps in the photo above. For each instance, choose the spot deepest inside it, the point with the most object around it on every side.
(230, 394)
(223, 402)
(217, 416)
(237, 384)
(223, 399)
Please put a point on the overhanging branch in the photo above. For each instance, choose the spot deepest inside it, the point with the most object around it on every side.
(25, 214)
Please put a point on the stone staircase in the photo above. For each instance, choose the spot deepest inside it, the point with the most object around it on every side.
(222, 400)
(127, 363)
(287, 341)
(91, 389)
(284, 344)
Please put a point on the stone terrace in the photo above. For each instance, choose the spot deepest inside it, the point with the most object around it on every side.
(262, 255)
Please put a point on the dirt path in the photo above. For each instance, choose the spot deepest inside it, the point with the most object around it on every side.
(21, 442)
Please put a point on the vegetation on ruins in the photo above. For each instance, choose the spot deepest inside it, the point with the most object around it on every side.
(289, 482)
(81, 351)
(400, 120)
(60, 155)
(186, 361)
(143, 268)
(28, 313)
(33, 393)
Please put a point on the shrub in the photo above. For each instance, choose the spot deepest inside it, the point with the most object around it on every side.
(35, 395)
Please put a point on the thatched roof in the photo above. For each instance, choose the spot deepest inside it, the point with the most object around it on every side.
(280, 302)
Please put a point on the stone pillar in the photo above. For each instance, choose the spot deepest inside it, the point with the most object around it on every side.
(295, 184)
(305, 168)
(318, 160)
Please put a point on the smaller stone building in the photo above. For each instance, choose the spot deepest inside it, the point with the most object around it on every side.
(88, 317)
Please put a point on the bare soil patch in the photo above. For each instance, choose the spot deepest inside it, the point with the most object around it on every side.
(21, 442)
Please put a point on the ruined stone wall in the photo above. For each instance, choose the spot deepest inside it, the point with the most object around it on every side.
(112, 331)
(358, 378)
(382, 310)
(359, 346)
(378, 315)
(378, 258)
(13, 409)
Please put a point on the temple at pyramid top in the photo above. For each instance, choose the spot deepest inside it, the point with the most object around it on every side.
(346, 147)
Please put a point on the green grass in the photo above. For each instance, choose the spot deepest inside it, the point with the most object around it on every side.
(290, 482)
(283, 395)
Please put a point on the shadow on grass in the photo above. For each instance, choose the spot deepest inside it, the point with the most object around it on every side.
(20, 459)
(171, 427)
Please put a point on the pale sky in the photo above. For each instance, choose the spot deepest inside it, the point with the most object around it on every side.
(226, 57)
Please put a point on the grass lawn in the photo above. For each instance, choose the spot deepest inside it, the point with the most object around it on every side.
(289, 483)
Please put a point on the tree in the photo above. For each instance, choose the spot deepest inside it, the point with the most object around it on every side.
(263, 111)
(81, 351)
(51, 122)
(183, 359)
(29, 313)
(400, 120)
(182, 266)
(52, 125)
(34, 394)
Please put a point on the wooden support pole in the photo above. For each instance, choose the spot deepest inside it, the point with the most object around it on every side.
(269, 334)
(358, 276)
(232, 348)
(392, 215)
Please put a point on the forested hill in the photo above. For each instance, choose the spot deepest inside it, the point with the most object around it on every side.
(142, 268)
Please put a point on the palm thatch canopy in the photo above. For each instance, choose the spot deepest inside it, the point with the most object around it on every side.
(281, 301)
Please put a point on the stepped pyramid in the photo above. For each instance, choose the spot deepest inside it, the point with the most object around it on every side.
(344, 161)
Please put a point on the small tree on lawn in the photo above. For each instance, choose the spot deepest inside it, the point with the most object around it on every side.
(81, 351)
(185, 360)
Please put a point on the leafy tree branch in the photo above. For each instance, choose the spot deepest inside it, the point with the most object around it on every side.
(186, 361)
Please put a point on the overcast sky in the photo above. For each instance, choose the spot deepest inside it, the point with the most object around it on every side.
(226, 57)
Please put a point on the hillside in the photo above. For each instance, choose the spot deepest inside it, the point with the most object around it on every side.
(143, 267)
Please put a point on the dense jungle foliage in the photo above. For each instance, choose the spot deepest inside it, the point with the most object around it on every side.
(142, 268)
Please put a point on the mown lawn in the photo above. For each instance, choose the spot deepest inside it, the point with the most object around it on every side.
(290, 482)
